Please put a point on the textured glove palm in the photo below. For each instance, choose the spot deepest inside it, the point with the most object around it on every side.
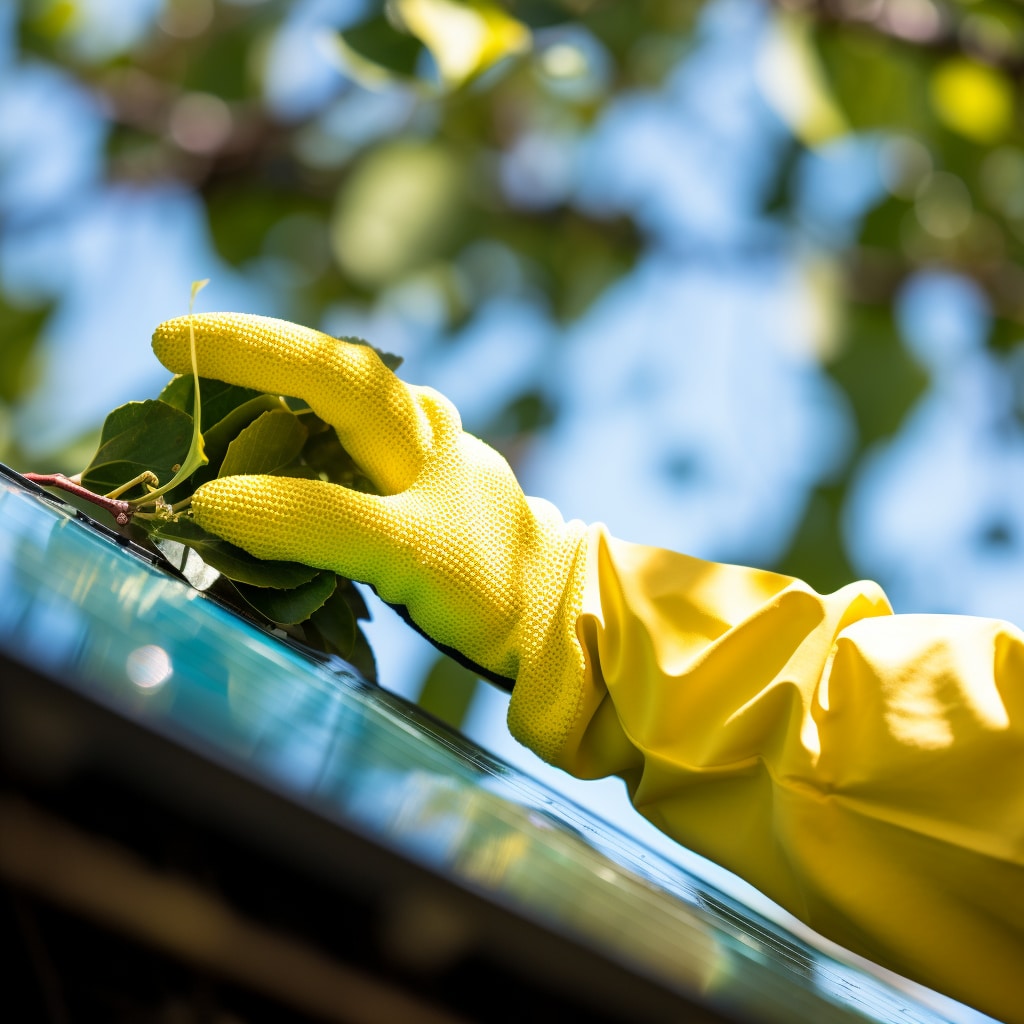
(450, 537)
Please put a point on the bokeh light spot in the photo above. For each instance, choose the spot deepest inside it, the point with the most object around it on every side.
(944, 206)
(972, 99)
(563, 61)
(397, 211)
(149, 667)
(186, 19)
(200, 123)
(906, 165)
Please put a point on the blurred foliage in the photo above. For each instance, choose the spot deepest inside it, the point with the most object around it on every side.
(20, 331)
(394, 175)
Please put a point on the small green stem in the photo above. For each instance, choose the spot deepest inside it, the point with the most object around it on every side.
(145, 477)
(196, 453)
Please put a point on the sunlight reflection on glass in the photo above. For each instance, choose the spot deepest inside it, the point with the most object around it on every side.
(149, 667)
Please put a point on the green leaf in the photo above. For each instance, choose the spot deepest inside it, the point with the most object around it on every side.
(335, 622)
(251, 215)
(465, 39)
(353, 599)
(20, 329)
(817, 553)
(223, 432)
(179, 392)
(288, 607)
(526, 413)
(233, 562)
(335, 629)
(267, 445)
(402, 207)
(378, 41)
(885, 226)
(297, 470)
(879, 376)
(389, 359)
(219, 399)
(361, 658)
(448, 690)
(796, 87)
(299, 406)
(878, 82)
(220, 61)
(136, 437)
(325, 453)
(196, 456)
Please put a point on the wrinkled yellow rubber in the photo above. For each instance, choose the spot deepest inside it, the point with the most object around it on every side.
(480, 567)
(865, 770)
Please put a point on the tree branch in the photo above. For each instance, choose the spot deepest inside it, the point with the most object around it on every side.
(120, 510)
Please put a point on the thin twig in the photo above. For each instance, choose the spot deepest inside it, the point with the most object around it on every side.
(145, 477)
(120, 510)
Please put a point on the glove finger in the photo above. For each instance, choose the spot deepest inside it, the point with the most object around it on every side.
(310, 521)
(345, 384)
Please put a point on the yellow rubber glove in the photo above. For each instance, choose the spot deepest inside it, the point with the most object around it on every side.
(864, 770)
(450, 538)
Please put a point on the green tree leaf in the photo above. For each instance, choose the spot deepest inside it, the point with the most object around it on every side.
(401, 207)
(289, 607)
(324, 453)
(378, 41)
(196, 456)
(222, 433)
(877, 373)
(389, 359)
(136, 437)
(219, 400)
(817, 553)
(361, 658)
(20, 329)
(179, 392)
(267, 445)
(233, 562)
(878, 82)
(354, 599)
(336, 623)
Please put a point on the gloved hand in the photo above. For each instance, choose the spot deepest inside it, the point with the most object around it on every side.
(450, 538)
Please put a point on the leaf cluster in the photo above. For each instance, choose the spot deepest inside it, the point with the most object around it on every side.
(143, 446)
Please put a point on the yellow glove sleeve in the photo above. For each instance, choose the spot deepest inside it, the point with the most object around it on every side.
(480, 568)
(865, 770)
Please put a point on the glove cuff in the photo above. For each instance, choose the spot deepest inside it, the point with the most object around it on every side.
(547, 697)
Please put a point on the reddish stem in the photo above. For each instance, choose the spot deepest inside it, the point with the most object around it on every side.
(120, 510)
